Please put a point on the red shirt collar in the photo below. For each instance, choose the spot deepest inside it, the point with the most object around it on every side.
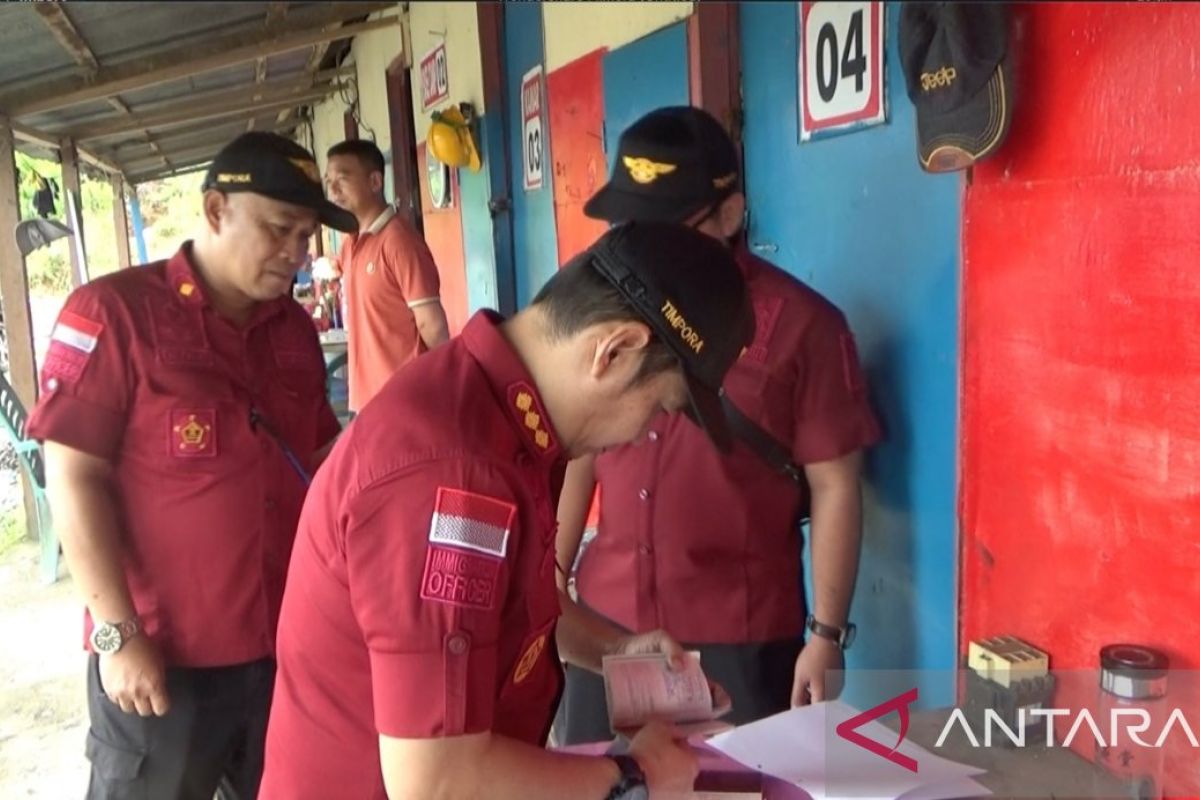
(747, 261)
(188, 288)
(512, 384)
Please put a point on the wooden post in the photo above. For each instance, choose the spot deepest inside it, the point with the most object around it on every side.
(714, 63)
(14, 295)
(121, 222)
(71, 191)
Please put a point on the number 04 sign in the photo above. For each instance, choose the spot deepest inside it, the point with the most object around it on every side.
(841, 67)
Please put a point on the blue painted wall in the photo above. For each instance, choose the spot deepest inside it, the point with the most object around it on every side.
(479, 243)
(535, 246)
(642, 76)
(855, 217)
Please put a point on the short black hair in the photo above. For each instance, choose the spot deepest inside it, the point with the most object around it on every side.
(578, 296)
(366, 151)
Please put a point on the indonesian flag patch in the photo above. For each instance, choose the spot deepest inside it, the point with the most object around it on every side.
(468, 538)
(473, 521)
(71, 345)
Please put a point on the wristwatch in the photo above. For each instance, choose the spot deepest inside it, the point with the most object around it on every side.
(109, 637)
(842, 637)
(632, 783)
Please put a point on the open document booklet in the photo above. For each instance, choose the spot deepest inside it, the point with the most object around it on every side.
(643, 687)
(802, 747)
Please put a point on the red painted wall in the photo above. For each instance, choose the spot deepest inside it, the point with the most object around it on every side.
(444, 235)
(575, 99)
(1080, 472)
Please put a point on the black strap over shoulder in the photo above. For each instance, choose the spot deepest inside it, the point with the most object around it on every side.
(764, 445)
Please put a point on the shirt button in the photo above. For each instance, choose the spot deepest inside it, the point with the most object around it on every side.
(458, 644)
(52, 384)
(645, 549)
(270, 504)
(652, 436)
(644, 494)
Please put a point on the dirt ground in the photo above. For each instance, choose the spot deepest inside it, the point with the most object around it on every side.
(43, 717)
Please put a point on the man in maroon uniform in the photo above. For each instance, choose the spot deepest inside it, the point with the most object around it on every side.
(417, 645)
(706, 545)
(183, 406)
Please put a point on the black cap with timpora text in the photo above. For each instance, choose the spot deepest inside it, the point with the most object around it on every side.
(687, 287)
(955, 58)
(671, 164)
(278, 168)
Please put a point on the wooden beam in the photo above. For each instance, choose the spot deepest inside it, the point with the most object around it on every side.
(179, 169)
(214, 53)
(714, 63)
(14, 281)
(121, 222)
(293, 82)
(14, 299)
(72, 191)
(192, 112)
(135, 151)
(53, 142)
(224, 132)
(275, 13)
(56, 19)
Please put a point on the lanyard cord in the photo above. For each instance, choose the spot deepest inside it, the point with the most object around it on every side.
(257, 420)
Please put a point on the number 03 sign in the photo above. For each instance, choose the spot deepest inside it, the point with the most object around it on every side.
(841, 67)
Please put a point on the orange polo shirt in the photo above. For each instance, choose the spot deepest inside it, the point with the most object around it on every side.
(387, 271)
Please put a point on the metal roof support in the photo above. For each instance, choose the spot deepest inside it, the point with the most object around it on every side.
(121, 221)
(216, 53)
(72, 193)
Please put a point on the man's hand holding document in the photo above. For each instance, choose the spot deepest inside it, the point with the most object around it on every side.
(640, 688)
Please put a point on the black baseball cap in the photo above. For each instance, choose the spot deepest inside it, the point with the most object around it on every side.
(687, 287)
(275, 167)
(955, 58)
(670, 164)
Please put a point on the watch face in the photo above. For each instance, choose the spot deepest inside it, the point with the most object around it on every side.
(106, 639)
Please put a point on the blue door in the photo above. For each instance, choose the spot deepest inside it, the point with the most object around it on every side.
(642, 76)
(856, 218)
(535, 245)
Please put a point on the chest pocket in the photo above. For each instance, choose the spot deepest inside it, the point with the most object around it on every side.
(186, 406)
(299, 378)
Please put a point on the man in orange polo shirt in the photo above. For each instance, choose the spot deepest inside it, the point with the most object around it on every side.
(393, 309)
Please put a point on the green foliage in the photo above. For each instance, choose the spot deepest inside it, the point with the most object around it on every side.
(170, 211)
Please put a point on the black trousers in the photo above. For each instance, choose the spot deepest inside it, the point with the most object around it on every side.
(214, 731)
(758, 677)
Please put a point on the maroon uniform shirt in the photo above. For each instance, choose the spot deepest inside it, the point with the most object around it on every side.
(421, 601)
(707, 546)
(143, 372)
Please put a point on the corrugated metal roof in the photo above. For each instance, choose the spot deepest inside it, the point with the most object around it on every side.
(133, 124)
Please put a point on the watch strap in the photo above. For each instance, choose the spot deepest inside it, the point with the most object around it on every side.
(842, 637)
(632, 777)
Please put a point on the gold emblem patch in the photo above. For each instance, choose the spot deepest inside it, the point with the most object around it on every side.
(529, 659)
(193, 432)
(643, 170)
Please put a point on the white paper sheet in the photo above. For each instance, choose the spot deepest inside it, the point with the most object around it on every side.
(800, 746)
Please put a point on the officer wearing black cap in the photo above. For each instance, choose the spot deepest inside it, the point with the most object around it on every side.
(417, 641)
(182, 410)
(705, 544)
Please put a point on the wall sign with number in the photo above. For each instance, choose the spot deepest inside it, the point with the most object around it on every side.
(435, 76)
(532, 130)
(841, 67)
